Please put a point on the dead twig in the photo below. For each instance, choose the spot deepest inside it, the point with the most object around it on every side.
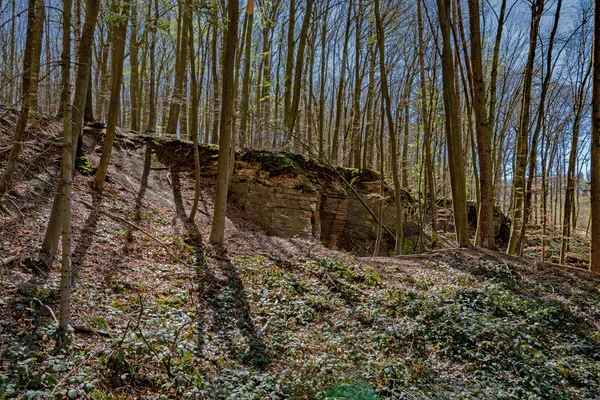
(47, 308)
(17, 208)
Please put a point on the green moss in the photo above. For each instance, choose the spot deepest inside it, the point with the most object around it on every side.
(5, 210)
(85, 166)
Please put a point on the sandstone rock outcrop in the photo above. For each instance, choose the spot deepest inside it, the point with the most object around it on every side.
(290, 195)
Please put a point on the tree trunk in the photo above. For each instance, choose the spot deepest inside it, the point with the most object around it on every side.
(194, 121)
(570, 190)
(64, 199)
(425, 117)
(40, 16)
(180, 69)
(299, 64)
(595, 145)
(31, 43)
(335, 142)
(135, 76)
(322, 80)
(391, 128)
(246, 78)
(355, 137)
(214, 139)
(151, 128)
(88, 113)
(453, 136)
(120, 13)
(485, 221)
(67, 177)
(541, 113)
(217, 233)
(521, 149)
(289, 66)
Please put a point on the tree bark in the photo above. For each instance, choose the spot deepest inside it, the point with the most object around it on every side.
(120, 13)
(391, 128)
(217, 233)
(483, 129)
(289, 66)
(453, 136)
(595, 145)
(194, 121)
(64, 215)
(335, 142)
(29, 60)
(67, 178)
(180, 69)
(40, 16)
(426, 119)
(246, 78)
(521, 148)
(151, 128)
(299, 64)
(135, 75)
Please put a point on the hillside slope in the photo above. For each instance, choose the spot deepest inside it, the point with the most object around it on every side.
(274, 318)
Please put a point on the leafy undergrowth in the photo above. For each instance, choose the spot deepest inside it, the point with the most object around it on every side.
(578, 254)
(449, 325)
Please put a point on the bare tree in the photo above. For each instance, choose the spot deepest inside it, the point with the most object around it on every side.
(217, 233)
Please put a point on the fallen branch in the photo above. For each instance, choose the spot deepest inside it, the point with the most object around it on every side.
(47, 308)
(116, 217)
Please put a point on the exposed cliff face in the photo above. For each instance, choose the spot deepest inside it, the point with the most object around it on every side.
(289, 194)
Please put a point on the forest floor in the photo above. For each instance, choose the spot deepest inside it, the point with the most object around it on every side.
(271, 318)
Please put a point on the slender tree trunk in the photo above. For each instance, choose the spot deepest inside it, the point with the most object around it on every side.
(382, 184)
(570, 190)
(322, 81)
(355, 137)
(120, 12)
(151, 128)
(369, 125)
(299, 64)
(67, 176)
(194, 121)
(595, 145)
(217, 233)
(453, 136)
(214, 139)
(246, 78)
(335, 143)
(135, 76)
(180, 69)
(405, 139)
(88, 114)
(536, 135)
(31, 43)
(40, 16)
(64, 199)
(289, 66)
(521, 148)
(11, 66)
(485, 221)
(425, 117)
(391, 128)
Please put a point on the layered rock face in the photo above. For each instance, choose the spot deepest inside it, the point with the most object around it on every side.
(291, 196)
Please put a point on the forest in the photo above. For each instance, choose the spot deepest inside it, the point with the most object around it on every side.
(300, 199)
